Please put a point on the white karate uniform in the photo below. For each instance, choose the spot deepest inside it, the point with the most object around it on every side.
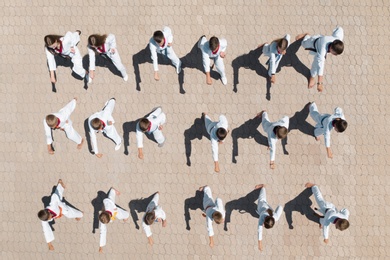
(319, 46)
(262, 207)
(65, 124)
(271, 51)
(117, 213)
(157, 118)
(58, 207)
(329, 211)
(269, 129)
(70, 40)
(209, 207)
(109, 44)
(159, 213)
(324, 122)
(105, 115)
(164, 50)
(211, 128)
(208, 54)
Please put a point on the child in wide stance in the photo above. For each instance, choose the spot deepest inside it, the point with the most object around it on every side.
(267, 216)
(331, 214)
(325, 124)
(56, 209)
(109, 214)
(276, 130)
(212, 211)
(154, 213)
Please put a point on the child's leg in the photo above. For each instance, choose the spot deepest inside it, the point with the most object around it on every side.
(122, 214)
(158, 135)
(59, 191)
(77, 61)
(70, 212)
(265, 123)
(207, 197)
(314, 113)
(173, 57)
(208, 123)
(220, 66)
(323, 205)
(116, 59)
(109, 106)
(71, 133)
(111, 132)
(262, 201)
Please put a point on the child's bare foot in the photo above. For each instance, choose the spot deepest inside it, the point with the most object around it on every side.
(300, 36)
(78, 219)
(262, 45)
(317, 138)
(320, 226)
(311, 83)
(62, 183)
(125, 220)
(309, 185)
(204, 215)
(156, 76)
(201, 188)
(259, 186)
(80, 144)
(204, 114)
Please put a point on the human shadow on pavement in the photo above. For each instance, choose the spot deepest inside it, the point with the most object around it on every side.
(298, 122)
(128, 127)
(248, 130)
(194, 60)
(192, 203)
(144, 56)
(197, 130)
(62, 62)
(103, 61)
(139, 205)
(251, 61)
(97, 204)
(87, 136)
(301, 204)
(290, 59)
(243, 205)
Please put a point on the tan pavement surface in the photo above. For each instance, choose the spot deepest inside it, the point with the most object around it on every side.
(356, 178)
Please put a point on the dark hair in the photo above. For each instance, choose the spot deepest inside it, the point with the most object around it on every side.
(221, 133)
(340, 125)
(105, 217)
(213, 43)
(51, 39)
(281, 132)
(343, 224)
(144, 124)
(217, 216)
(158, 36)
(44, 215)
(97, 40)
(269, 221)
(149, 218)
(337, 46)
(96, 123)
(282, 43)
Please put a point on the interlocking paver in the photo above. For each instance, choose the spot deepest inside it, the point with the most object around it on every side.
(355, 178)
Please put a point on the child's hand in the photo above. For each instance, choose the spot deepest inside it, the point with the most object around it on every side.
(164, 223)
(169, 44)
(112, 50)
(273, 79)
(326, 241)
(100, 249)
(72, 50)
(222, 54)
(53, 78)
(109, 123)
(329, 151)
(160, 127)
(260, 245)
(99, 155)
(49, 149)
(272, 165)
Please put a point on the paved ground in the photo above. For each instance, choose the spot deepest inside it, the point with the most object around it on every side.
(355, 178)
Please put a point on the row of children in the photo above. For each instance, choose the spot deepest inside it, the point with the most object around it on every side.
(214, 48)
(152, 123)
(213, 210)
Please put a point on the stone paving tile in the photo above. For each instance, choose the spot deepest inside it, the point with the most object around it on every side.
(355, 178)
